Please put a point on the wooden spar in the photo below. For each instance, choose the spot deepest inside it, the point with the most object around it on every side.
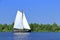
(22, 18)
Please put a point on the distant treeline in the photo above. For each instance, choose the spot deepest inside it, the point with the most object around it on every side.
(6, 28)
(34, 27)
(45, 27)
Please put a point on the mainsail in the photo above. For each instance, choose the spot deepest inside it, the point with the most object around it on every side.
(21, 21)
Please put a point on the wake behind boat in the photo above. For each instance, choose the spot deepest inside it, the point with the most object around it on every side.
(21, 24)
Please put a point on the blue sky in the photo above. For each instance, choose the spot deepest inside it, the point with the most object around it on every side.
(36, 11)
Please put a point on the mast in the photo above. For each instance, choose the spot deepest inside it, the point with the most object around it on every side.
(22, 19)
(22, 14)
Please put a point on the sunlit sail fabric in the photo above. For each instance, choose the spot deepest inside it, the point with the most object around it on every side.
(25, 23)
(18, 21)
(21, 21)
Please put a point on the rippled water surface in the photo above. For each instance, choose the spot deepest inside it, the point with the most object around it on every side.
(30, 36)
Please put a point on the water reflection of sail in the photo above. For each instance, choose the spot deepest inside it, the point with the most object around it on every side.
(21, 36)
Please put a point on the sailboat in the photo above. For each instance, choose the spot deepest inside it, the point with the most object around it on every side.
(21, 24)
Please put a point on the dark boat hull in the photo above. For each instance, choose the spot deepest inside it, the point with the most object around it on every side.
(21, 30)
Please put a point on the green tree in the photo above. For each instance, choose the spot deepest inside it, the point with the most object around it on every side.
(0, 27)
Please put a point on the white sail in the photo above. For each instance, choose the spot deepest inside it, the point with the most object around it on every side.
(25, 23)
(21, 21)
(18, 21)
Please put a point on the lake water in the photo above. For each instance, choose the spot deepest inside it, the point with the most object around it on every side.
(30, 36)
